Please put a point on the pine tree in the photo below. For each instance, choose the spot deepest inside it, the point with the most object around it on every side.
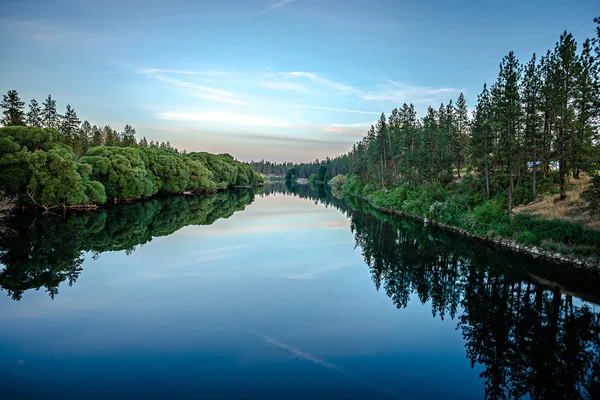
(587, 110)
(34, 116)
(462, 132)
(143, 143)
(97, 139)
(83, 139)
(564, 77)
(508, 116)
(13, 114)
(69, 124)
(49, 115)
(482, 138)
(532, 86)
(110, 136)
(128, 136)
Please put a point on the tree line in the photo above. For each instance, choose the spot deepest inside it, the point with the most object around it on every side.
(536, 119)
(53, 160)
(334, 166)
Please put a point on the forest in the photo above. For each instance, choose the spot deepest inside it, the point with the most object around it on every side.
(51, 160)
(534, 132)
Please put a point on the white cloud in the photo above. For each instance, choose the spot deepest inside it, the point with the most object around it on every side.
(358, 129)
(399, 92)
(336, 109)
(337, 86)
(274, 6)
(183, 72)
(222, 96)
(284, 85)
(225, 117)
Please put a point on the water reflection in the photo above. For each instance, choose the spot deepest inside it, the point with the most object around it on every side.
(530, 327)
(518, 316)
(532, 338)
(50, 249)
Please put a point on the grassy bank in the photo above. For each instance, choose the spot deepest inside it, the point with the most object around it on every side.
(532, 228)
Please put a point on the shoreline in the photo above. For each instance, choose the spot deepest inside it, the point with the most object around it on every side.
(533, 251)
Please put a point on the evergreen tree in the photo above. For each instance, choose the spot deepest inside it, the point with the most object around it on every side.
(531, 103)
(482, 139)
(462, 132)
(508, 116)
(587, 109)
(110, 137)
(69, 124)
(13, 114)
(564, 75)
(49, 115)
(97, 138)
(34, 116)
(128, 136)
(143, 143)
(83, 139)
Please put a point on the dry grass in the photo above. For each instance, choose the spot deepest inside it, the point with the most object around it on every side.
(573, 208)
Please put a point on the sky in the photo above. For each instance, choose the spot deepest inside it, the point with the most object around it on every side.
(280, 80)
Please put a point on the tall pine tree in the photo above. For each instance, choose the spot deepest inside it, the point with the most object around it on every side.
(34, 116)
(13, 114)
(50, 117)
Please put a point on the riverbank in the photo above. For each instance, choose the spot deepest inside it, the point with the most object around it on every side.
(541, 251)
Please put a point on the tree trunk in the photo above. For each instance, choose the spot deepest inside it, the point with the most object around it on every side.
(562, 178)
(510, 191)
(533, 193)
(382, 169)
(487, 181)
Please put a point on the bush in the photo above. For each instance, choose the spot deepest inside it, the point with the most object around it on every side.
(592, 195)
(338, 181)
(527, 238)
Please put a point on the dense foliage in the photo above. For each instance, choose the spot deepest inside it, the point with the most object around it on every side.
(535, 118)
(67, 163)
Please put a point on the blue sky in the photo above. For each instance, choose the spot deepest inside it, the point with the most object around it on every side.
(280, 80)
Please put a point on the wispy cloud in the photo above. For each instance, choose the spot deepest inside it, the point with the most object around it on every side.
(399, 92)
(222, 96)
(336, 109)
(47, 32)
(323, 82)
(359, 129)
(274, 6)
(258, 120)
(225, 117)
(183, 72)
(284, 85)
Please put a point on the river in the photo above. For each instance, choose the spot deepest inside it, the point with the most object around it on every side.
(286, 293)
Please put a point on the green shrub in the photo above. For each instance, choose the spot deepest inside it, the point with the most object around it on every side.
(592, 195)
(527, 238)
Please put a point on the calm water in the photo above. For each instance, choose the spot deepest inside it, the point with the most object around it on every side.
(283, 295)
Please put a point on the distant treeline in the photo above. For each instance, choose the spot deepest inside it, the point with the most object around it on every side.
(335, 166)
(53, 160)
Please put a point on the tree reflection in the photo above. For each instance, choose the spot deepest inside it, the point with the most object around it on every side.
(50, 249)
(530, 335)
(522, 320)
